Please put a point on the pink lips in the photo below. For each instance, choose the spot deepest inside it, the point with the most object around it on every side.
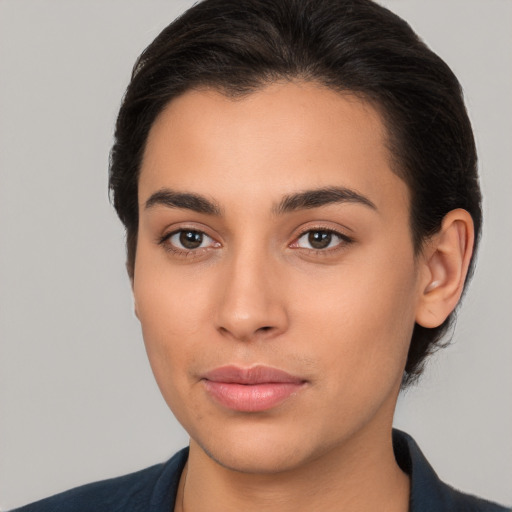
(251, 390)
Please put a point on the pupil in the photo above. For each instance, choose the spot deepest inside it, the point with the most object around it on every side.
(320, 239)
(191, 239)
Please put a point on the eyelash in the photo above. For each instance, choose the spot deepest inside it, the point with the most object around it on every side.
(169, 247)
(344, 240)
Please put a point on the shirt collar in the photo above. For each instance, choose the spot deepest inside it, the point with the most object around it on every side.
(428, 492)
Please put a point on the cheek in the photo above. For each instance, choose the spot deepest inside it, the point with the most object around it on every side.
(363, 319)
(171, 307)
(170, 299)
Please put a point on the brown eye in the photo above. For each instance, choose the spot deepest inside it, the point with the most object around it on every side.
(191, 239)
(319, 239)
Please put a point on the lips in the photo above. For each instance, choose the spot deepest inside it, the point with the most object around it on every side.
(255, 389)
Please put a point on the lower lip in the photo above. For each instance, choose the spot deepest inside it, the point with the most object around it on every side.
(251, 397)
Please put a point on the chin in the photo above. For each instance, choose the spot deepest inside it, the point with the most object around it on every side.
(255, 461)
(261, 449)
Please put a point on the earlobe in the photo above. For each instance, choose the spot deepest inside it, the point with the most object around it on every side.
(446, 259)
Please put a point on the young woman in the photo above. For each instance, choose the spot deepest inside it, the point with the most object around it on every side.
(299, 189)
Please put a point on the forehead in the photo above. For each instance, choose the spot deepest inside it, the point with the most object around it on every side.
(284, 136)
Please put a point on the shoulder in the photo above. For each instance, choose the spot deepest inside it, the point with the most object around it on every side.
(428, 492)
(151, 489)
(468, 503)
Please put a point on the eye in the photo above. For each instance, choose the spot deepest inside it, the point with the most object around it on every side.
(320, 239)
(185, 240)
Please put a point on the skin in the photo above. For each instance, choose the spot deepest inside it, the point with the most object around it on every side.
(256, 292)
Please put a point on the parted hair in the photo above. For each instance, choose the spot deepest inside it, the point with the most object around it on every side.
(357, 46)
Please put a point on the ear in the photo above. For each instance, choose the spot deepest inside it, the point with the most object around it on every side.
(131, 276)
(445, 262)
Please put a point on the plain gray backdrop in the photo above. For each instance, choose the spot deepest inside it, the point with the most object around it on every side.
(77, 398)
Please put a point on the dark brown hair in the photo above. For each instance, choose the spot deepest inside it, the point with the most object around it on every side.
(239, 46)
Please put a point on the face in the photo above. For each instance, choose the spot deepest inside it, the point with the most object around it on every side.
(275, 277)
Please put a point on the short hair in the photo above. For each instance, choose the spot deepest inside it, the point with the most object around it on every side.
(240, 46)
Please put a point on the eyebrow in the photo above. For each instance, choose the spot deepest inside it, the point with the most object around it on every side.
(183, 200)
(304, 200)
(316, 198)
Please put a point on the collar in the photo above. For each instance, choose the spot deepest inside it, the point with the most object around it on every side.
(428, 492)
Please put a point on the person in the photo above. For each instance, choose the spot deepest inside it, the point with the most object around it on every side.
(298, 184)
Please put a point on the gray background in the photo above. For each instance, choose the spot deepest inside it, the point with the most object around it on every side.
(77, 398)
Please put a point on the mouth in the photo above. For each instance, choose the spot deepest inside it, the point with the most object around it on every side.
(255, 389)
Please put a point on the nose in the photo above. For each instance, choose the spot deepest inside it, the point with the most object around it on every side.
(251, 304)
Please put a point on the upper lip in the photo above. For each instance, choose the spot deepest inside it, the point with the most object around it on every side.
(254, 375)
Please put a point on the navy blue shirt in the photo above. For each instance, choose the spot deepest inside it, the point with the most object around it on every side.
(154, 489)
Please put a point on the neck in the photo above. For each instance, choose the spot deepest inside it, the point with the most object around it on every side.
(358, 476)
